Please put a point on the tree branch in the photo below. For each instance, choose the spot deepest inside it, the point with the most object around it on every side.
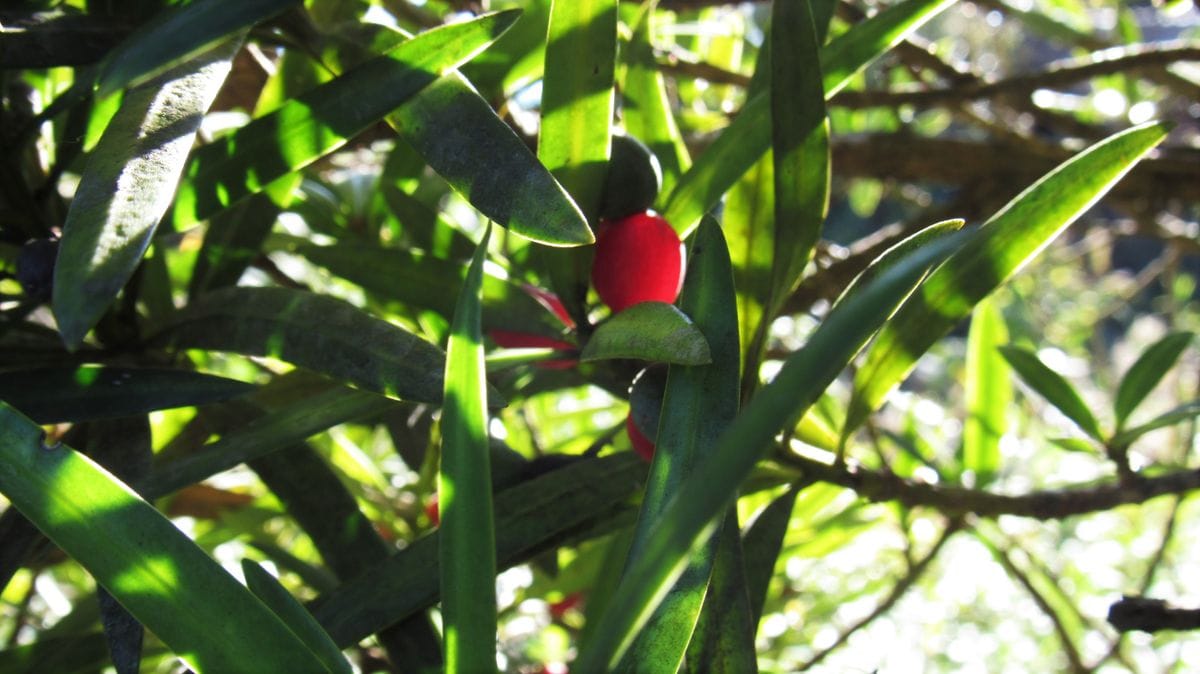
(1050, 504)
(1151, 615)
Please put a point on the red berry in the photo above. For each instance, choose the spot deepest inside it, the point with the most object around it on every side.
(512, 339)
(638, 259)
(431, 510)
(559, 608)
(641, 444)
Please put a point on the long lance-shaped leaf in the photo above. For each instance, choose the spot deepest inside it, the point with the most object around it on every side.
(126, 187)
(988, 393)
(321, 333)
(799, 142)
(421, 280)
(693, 513)
(724, 636)
(142, 559)
(51, 395)
(1054, 388)
(531, 517)
(322, 120)
(468, 541)
(576, 131)
(295, 616)
(1002, 245)
(272, 432)
(699, 403)
(1145, 374)
(178, 33)
(749, 136)
(645, 106)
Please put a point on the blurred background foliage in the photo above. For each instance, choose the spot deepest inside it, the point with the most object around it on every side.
(953, 122)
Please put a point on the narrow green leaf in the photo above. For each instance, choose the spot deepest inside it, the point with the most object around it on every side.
(577, 97)
(468, 540)
(724, 638)
(531, 517)
(483, 159)
(761, 545)
(233, 239)
(321, 333)
(693, 513)
(1051, 386)
(645, 108)
(1170, 418)
(309, 126)
(799, 142)
(126, 187)
(1002, 245)
(423, 281)
(749, 219)
(270, 433)
(745, 140)
(1145, 374)
(654, 331)
(898, 252)
(988, 393)
(293, 614)
(177, 34)
(699, 403)
(57, 394)
(82, 654)
(155, 570)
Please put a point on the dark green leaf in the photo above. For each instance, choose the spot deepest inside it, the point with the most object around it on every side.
(295, 616)
(321, 333)
(654, 331)
(423, 281)
(1051, 386)
(127, 186)
(311, 125)
(179, 33)
(532, 516)
(699, 403)
(724, 638)
(761, 545)
(467, 554)
(1145, 374)
(695, 510)
(233, 239)
(272, 432)
(999, 249)
(51, 395)
(799, 142)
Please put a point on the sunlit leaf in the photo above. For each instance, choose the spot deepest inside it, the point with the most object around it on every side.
(157, 569)
(988, 392)
(127, 186)
(1001, 246)
(694, 512)
(293, 614)
(749, 135)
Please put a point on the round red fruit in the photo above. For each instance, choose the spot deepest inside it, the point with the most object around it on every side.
(638, 259)
(641, 444)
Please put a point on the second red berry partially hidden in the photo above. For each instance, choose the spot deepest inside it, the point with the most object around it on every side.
(638, 259)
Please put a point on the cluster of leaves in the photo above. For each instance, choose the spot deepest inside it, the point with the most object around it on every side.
(303, 284)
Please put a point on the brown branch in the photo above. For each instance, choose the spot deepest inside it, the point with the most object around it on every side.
(1151, 615)
(1050, 504)
(1056, 75)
